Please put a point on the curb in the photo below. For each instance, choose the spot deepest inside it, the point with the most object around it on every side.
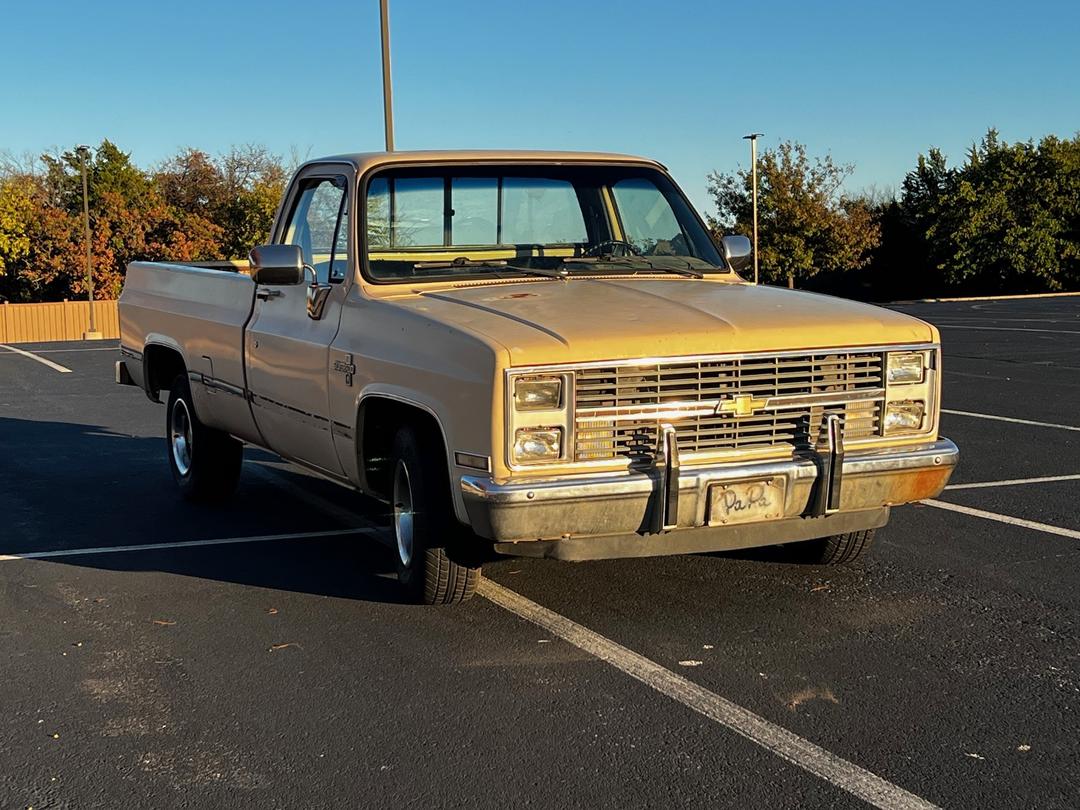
(986, 298)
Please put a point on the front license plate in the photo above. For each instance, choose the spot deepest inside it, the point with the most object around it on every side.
(746, 501)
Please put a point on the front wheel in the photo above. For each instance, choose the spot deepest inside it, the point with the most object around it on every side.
(205, 462)
(427, 537)
(837, 549)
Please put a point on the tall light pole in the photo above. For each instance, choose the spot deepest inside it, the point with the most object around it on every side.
(93, 332)
(387, 92)
(752, 137)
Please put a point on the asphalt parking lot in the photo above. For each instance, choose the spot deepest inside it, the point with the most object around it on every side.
(286, 672)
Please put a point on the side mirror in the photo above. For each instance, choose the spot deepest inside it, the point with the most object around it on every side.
(277, 264)
(738, 252)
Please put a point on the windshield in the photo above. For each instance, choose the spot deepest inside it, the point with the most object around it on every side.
(476, 222)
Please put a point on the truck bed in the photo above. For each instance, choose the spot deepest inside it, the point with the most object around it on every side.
(199, 312)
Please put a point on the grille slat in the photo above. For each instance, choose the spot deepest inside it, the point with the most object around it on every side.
(844, 373)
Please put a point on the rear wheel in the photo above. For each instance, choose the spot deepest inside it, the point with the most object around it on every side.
(837, 549)
(205, 462)
(429, 542)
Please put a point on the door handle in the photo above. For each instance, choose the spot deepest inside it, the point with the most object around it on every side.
(265, 295)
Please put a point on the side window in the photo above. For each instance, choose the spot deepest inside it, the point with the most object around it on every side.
(319, 225)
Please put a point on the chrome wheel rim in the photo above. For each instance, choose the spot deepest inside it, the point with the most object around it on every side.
(403, 514)
(180, 436)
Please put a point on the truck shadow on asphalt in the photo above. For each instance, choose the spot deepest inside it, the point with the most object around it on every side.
(69, 486)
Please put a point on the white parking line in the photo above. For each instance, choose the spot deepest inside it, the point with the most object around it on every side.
(1005, 329)
(966, 319)
(1010, 419)
(223, 541)
(1015, 481)
(800, 752)
(993, 319)
(49, 363)
(796, 750)
(69, 351)
(1009, 519)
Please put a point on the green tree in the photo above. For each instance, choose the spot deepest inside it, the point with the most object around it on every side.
(254, 182)
(192, 182)
(238, 192)
(1007, 220)
(807, 224)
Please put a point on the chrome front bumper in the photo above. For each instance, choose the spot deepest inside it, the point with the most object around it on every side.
(819, 499)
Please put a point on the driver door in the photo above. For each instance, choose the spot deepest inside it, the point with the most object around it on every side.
(287, 349)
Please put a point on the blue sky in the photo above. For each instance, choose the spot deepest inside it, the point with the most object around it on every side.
(874, 83)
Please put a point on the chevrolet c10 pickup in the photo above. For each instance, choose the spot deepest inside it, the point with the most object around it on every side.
(541, 354)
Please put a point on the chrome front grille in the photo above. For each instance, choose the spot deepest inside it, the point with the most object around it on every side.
(723, 404)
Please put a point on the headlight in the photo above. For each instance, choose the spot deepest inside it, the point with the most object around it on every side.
(537, 444)
(905, 367)
(904, 417)
(537, 393)
(539, 416)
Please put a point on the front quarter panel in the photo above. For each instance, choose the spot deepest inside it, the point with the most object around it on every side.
(400, 354)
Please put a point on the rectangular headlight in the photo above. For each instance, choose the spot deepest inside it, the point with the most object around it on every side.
(537, 444)
(904, 417)
(905, 367)
(537, 393)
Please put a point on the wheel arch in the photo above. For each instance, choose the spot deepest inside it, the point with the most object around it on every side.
(380, 413)
(162, 361)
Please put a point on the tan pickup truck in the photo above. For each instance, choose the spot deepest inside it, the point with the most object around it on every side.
(542, 354)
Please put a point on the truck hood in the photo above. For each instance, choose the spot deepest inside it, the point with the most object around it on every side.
(577, 320)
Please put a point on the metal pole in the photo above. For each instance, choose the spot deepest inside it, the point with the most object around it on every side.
(752, 137)
(753, 162)
(388, 95)
(82, 150)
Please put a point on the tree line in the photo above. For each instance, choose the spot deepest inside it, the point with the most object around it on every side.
(1006, 220)
(191, 207)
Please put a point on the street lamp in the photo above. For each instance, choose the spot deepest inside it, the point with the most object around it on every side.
(752, 137)
(92, 334)
(388, 96)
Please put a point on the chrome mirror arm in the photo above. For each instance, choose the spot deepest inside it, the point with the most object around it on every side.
(316, 295)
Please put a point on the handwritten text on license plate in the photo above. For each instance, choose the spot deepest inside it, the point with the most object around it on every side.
(745, 501)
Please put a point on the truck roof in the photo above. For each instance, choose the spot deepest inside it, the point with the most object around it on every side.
(364, 161)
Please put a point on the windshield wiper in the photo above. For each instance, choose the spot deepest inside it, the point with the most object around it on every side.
(499, 264)
(635, 262)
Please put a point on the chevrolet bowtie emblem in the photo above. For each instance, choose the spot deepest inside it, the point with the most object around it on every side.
(741, 405)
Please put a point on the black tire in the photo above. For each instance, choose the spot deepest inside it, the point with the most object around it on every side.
(837, 549)
(205, 462)
(430, 544)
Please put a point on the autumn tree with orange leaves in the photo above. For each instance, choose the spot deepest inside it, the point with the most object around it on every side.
(190, 208)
